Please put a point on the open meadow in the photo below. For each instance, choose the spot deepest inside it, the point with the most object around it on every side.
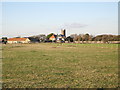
(55, 65)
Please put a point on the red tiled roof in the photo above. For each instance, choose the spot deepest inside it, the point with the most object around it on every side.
(53, 36)
(17, 39)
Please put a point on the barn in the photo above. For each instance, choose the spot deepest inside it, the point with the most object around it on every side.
(18, 40)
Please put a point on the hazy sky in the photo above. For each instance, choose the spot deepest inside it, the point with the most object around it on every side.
(33, 18)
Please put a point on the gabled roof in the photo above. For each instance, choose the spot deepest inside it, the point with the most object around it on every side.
(53, 36)
(17, 39)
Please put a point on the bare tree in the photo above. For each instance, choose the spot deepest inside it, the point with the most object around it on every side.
(74, 36)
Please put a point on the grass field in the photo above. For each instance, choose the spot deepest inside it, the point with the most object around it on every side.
(50, 65)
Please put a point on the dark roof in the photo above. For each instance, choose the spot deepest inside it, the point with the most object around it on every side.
(61, 35)
(33, 39)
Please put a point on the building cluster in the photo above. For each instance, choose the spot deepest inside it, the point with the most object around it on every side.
(58, 38)
(53, 38)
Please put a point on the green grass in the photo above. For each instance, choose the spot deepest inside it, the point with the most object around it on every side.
(60, 65)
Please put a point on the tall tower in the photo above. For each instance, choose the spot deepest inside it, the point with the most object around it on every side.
(63, 32)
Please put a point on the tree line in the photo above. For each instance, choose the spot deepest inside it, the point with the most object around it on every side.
(73, 37)
(87, 37)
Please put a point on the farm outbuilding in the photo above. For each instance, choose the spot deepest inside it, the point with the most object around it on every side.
(53, 37)
(18, 40)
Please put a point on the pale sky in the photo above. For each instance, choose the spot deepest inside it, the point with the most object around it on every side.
(33, 18)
